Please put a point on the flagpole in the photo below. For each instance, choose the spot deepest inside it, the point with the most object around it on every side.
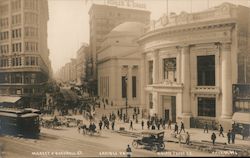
(191, 6)
(167, 7)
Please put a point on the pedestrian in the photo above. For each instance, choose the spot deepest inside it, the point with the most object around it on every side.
(213, 137)
(206, 127)
(233, 136)
(163, 123)
(124, 117)
(169, 124)
(182, 127)
(100, 125)
(179, 137)
(113, 125)
(142, 124)
(148, 124)
(153, 127)
(187, 138)
(129, 151)
(158, 126)
(79, 128)
(221, 131)
(131, 125)
(228, 136)
(176, 128)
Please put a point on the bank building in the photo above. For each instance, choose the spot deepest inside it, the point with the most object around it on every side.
(190, 62)
(119, 67)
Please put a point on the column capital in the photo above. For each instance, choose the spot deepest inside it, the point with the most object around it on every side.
(225, 46)
(155, 52)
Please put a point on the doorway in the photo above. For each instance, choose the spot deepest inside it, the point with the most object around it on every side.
(169, 108)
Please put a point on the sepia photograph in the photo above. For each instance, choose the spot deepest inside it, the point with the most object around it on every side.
(124, 78)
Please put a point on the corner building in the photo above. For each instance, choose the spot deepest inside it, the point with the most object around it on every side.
(191, 62)
(24, 55)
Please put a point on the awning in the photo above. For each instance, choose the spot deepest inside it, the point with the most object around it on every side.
(241, 117)
(8, 99)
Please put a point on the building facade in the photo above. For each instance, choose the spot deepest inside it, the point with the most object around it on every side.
(191, 62)
(24, 55)
(119, 65)
(103, 18)
(81, 61)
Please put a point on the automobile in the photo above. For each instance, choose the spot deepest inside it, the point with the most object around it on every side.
(151, 140)
(241, 124)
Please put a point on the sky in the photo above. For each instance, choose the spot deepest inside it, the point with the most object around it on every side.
(68, 25)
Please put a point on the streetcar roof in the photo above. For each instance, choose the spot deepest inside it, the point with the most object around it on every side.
(9, 99)
(8, 114)
(29, 115)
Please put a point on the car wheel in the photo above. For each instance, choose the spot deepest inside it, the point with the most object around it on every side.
(154, 148)
(162, 146)
(135, 144)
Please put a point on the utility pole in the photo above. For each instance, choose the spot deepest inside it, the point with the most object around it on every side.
(126, 84)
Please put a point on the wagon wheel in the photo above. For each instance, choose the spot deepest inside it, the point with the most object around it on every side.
(162, 146)
(154, 148)
(98, 133)
(135, 144)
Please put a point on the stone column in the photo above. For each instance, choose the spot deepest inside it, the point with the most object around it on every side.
(129, 84)
(185, 80)
(226, 78)
(155, 103)
(156, 67)
(142, 80)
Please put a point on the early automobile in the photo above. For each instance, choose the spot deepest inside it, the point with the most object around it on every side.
(151, 140)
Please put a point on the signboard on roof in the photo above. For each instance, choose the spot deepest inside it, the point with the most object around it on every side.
(127, 3)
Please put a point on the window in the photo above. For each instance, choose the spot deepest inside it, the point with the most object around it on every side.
(4, 49)
(16, 19)
(150, 72)
(31, 46)
(134, 86)
(17, 33)
(16, 47)
(16, 61)
(31, 4)
(31, 18)
(4, 22)
(206, 106)
(4, 62)
(30, 32)
(206, 70)
(4, 35)
(169, 69)
(124, 86)
(15, 5)
(4, 9)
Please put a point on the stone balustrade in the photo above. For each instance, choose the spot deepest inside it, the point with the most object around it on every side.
(223, 11)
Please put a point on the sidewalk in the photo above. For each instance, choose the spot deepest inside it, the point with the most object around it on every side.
(195, 134)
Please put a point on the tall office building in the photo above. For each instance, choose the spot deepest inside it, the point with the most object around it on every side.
(24, 54)
(103, 18)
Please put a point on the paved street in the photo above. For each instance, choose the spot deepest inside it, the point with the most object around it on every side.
(69, 143)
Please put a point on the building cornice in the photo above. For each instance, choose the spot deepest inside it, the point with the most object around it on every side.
(208, 25)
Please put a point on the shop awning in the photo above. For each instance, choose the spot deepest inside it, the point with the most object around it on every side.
(241, 117)
(8, 99)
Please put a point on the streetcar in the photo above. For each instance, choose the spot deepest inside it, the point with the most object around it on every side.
(19, 122)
